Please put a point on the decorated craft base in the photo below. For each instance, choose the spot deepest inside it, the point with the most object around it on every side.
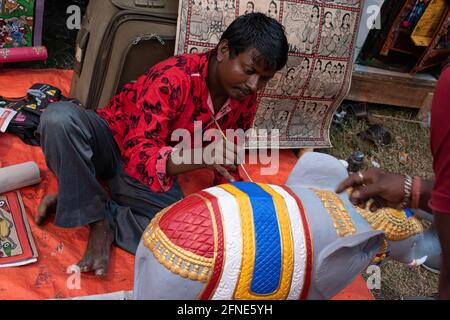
(302, 97)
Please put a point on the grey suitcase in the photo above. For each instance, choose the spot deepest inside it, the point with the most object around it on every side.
(118, 41)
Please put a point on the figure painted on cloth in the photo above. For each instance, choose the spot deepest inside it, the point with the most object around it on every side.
(289, 84)
(17, 32)
(250, 7)
(9, 6)
(216, 22)
(7, 243)
(128, 144)
(230, 13)
(347, 2)
(303, 74)
(311, 32)
(316, 79)
(4, 33)
(193, 50)
(273, 10)
(307, 118)
(265, 121)
(345, 37)
(281, 120)
(196, 19)
(328, 39)
(206, 21)
(297, 121)
(335, 84)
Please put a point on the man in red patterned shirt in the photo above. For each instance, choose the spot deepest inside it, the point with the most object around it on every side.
(128, 144)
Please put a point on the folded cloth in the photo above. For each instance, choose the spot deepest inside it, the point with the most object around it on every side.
(29, 110)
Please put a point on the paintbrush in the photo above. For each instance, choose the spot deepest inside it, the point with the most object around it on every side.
(224, 137)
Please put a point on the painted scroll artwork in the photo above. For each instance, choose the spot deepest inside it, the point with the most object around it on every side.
(20, 23)
(302, 97)
(16, 241)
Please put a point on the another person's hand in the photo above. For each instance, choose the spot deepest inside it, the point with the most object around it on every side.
(384, 188)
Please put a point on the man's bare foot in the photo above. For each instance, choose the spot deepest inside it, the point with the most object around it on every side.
(96, 257)
(46, 208)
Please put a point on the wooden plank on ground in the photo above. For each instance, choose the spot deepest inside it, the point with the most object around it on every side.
(381, 86)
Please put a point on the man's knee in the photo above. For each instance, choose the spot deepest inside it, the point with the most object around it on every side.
(58, 116)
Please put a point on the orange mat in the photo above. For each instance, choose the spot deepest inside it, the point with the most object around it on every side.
(59, 248)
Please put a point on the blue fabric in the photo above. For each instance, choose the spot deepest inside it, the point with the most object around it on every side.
(267, 268)
(408, 213)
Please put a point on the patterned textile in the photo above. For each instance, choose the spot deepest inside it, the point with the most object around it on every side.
(302, 98)
(20, 23)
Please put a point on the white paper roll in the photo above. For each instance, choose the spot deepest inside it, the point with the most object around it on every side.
(19, 176)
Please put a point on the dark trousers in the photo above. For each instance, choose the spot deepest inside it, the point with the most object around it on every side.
(80, 149)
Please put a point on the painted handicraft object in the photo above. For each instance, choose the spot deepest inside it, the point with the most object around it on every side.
(254, 241)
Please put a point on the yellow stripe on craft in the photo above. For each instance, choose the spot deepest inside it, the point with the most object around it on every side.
(287, 243)
(242, 290)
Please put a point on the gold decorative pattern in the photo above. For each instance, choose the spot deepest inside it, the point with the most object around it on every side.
(333, 204)
(177, 260)
(379, 258)
(395, 223)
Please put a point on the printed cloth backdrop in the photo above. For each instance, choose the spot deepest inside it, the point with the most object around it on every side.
(20, 23)
(301, 99)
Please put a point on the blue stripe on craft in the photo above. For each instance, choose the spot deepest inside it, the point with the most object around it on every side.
(267, 268)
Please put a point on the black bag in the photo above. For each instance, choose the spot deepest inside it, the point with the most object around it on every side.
(29, 110)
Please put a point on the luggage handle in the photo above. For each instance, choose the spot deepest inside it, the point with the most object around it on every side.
(149, 3)
(147, 37)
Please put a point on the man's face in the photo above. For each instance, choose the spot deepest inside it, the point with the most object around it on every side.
(241, 76)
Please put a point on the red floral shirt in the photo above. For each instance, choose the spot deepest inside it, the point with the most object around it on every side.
(171, 95)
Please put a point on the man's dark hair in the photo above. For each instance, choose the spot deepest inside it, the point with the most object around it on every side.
(260, 32)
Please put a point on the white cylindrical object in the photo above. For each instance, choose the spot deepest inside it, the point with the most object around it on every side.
(19, 176)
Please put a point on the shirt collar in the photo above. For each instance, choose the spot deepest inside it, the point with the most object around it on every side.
(203, 71)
